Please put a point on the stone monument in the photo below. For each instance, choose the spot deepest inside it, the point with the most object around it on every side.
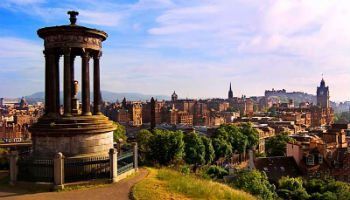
(73, 133)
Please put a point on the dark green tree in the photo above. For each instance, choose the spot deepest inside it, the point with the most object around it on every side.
(209, 150)
(254, 182)
(194, 149)
(143, 139)
(276, 146)
(119, 133)
(223, 149)
(166, 146)
(251, 133)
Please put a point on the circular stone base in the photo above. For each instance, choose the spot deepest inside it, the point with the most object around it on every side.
(74, 145)
(75, 136)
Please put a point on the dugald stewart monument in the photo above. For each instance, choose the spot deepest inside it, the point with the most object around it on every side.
(71, 132)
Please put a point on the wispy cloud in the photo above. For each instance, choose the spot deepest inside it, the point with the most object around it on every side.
(199, 46)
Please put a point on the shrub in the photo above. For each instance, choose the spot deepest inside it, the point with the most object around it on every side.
(216, 172)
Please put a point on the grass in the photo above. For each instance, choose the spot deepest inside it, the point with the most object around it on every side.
(162, 184)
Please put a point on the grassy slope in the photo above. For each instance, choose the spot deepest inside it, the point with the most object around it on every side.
(168, 184)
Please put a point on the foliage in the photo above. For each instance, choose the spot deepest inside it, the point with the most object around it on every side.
(166, 146)
(222, 148)
(209, 150)
(185, 169)
(251, 133)
(239, 138)
(143, 139)
(292, 188)
(327, 189)
(4, 164)
(170, 184)
(276, 146)
(342, 117)
(119, 133)
(216, 172)
(194, 149)
(254, 182)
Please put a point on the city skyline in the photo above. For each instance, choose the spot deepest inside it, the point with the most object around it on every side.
(157, 46)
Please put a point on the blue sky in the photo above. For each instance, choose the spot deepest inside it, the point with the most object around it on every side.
(195, 47)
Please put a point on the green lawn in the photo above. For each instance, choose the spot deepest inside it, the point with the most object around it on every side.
(162, 184)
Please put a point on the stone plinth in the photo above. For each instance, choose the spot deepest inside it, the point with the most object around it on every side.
(72, 136)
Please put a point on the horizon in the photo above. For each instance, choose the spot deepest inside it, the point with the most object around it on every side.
(158, 46)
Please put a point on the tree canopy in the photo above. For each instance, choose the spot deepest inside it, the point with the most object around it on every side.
(166, 146)
(194, 149)
(276, 146)
(254, 182)
(119, 133)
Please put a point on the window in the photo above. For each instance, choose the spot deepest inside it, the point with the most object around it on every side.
(310, 160)
(320, 159)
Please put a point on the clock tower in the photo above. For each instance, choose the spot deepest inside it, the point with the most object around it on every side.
(323, 95)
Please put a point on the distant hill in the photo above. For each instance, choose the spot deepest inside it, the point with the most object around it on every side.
(106, 95)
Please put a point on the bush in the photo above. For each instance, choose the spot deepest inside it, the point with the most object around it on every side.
(255, 183)
(216, 172)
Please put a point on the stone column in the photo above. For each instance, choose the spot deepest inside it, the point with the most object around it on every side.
(72, 58)
(47, 82)
(97, 89)
(58, 168)
(52, 80)
(13, 167)
(67, 84)
(135, 150)
(113, 165)
(55, 78)
(85, 84)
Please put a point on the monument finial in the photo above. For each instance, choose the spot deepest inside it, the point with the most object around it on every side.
(73, 16)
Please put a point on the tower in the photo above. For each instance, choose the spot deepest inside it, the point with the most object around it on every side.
(153, 113)
(230, 93)
(323, 95)
(174, 97)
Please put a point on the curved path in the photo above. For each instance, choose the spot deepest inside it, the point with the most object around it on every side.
(119, 191)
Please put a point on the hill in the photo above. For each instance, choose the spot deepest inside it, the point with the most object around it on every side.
(165, 183)
(106, 96)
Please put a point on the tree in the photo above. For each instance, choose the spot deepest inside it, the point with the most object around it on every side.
(209, 150)
(292, 188)
(223, 149)
(143, 139)
(166, 146)
(119, 133)
(254, 182)
(194, 149)
(233, 136)
(276, 146)
(251, 134)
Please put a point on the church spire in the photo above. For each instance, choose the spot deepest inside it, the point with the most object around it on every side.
(230, 93)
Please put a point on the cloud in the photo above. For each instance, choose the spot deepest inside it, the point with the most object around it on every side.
(197, 47)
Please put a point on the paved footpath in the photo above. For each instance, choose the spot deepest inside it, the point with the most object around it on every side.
(118, 191)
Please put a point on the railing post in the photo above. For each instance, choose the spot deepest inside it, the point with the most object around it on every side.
(135, 154)
(113, 165)
(13, 167)
(58, 168)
